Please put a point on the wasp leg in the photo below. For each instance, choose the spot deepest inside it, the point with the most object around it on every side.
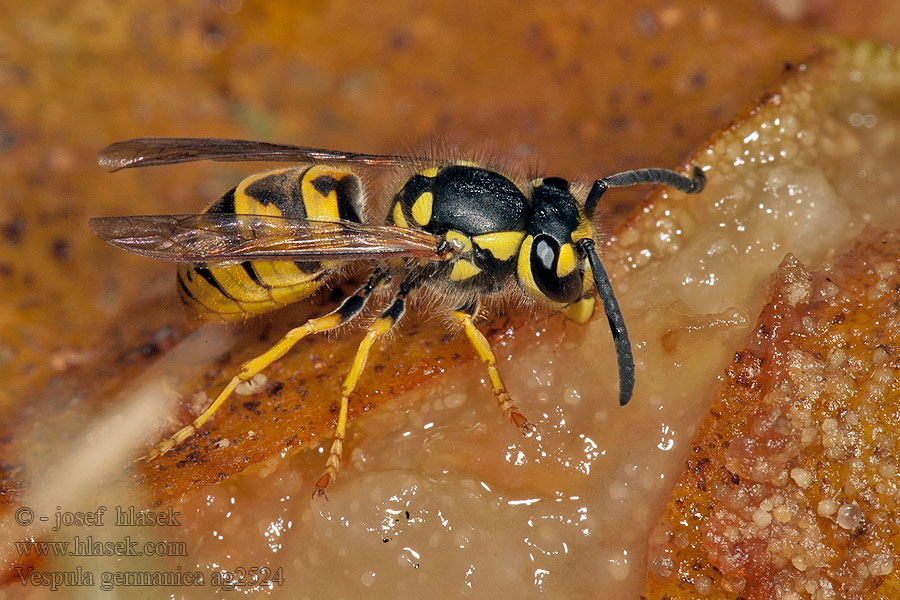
(382, 325)
(483, 349)
(349, 308)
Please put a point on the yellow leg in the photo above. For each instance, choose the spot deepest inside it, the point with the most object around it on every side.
(348, 309)
(382, 325)
(483, 349)
(378, 328)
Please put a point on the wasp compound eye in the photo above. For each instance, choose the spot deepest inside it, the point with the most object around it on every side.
(553, 269)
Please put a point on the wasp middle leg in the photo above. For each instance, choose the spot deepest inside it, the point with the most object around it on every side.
(381, 326)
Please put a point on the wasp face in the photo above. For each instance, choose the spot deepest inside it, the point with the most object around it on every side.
(551, 267)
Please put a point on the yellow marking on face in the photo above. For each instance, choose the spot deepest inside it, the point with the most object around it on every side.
(464, 269)
(584, 230)
(421, 209)
(501, 244)
(465, 242)
(399, 219)
(581, 311)
(430, 172)
(524, 268)
(565, 262)
(319, 207)
(467, 163)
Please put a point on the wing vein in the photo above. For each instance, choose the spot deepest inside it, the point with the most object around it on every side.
(234, 238)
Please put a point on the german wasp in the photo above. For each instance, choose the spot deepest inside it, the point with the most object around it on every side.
(456, 231)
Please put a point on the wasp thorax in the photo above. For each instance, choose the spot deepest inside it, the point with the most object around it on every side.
(552, 268)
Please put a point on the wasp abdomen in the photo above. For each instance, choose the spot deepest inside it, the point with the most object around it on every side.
(318, 193)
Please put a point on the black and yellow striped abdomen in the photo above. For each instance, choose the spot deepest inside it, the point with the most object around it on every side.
(236, 291)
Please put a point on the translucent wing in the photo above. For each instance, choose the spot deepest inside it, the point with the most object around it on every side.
(230, 238)
(146, 152)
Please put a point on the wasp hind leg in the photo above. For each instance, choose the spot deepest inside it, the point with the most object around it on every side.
(381, 326)
(349, 308)
(464, 316)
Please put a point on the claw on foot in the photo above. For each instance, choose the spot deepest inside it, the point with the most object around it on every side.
(331, 468)
(163, 447)
(321, 485)
(513, 414)
(520, 421)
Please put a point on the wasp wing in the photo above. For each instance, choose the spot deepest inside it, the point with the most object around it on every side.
(146, 152)
(233, 238)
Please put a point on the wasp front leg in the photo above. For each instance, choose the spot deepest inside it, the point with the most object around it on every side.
(483, 350)
(348, 309)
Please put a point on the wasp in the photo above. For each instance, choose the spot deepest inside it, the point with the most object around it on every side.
(458, 231)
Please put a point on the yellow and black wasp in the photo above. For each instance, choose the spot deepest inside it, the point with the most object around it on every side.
(460, 231)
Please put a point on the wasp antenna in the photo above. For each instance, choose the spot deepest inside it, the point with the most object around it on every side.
(616, 322)
(688, 185)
